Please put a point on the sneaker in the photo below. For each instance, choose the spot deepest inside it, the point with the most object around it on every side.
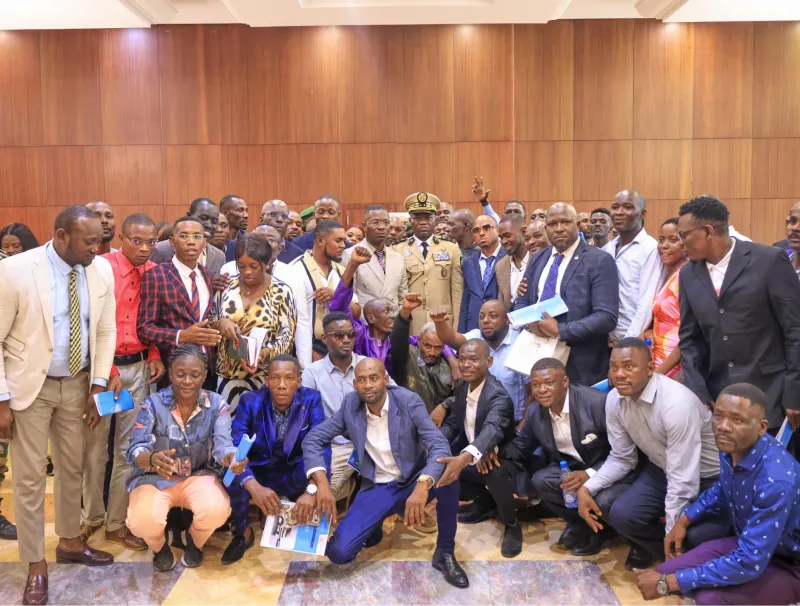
(193, 555)
(164, 561)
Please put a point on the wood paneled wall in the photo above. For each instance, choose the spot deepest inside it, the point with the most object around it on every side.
(570, 110)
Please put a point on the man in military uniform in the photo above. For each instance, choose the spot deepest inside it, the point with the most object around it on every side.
(433, 265)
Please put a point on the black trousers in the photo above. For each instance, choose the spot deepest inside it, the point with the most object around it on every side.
(495, 487)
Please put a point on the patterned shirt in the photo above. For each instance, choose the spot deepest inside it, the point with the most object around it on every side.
(762, 492)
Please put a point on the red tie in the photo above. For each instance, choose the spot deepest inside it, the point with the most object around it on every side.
(195, 296)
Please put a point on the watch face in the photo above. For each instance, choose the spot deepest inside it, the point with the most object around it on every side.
(662, 588)
(311, 489)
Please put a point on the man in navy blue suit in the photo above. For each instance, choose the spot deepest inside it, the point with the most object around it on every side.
(586, 279)
(480, 282)
(397, 446)
(280, 414)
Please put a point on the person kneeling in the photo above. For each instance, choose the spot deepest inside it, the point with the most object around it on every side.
(182, 434)
(280, 415)
(759, 482)
(481, 418)
(397, 445)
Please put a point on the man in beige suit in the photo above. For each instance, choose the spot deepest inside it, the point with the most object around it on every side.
(512, 267)
(58, 332)
(384, 276)
(433, 266)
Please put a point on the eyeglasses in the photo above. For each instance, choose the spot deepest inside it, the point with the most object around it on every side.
(139, 242)
(482, 228)
(276, 214)
(339, 334)
(682, 234)
(378, 222)
(185, 237)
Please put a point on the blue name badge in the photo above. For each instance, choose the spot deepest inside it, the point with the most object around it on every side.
(353, 461)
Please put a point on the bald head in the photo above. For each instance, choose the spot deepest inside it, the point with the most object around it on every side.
(275, 213)
(562, 226)
(370, 381)
(273, 237)
(628, 212)
(461, 222)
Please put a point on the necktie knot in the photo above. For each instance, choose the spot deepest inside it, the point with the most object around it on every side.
(381, 257)
(193, 275)
(488, 271)
(424, 250)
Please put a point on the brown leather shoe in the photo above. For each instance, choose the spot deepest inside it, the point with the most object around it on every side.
(35, 590)
(89, 557)
(87, 531)
(124, 537)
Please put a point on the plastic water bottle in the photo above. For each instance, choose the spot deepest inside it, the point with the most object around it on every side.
(570, 500)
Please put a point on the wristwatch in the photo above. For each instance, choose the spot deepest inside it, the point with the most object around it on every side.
(311, 489)
(427, 479)
(661, 586)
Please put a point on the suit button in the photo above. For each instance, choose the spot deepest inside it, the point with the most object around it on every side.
(722, 311)
(730, 364)
(725, 338)
(50, 350)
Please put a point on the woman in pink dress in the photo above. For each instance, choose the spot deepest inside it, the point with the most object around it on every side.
(666, 310)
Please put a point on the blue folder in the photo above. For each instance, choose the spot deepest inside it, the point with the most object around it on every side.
(241, 454)
(107, 405)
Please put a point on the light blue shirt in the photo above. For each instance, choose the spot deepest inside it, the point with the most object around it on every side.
(512, 381)
(483, 260)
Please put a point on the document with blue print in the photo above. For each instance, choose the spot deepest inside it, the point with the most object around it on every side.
(283, 532)
(554, 307)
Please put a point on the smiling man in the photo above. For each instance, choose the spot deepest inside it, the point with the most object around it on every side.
(511, 268)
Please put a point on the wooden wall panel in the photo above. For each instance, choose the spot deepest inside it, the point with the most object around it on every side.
(740, 213)
(603, 79)
(193, 171)
(494, 162)
(482, 56)
(659, 211)
(370, 74)
(309, 85)
(602, 169)
(427, 167)
(663, 169)
(776, 80)
(75, 175)
(767, 219)
(776, 168)
(264, 84)
(129, 87)
(134, 175)
(70, 64)
(369, 174)
(544, 70)
(544, 170)
(39, 219)
(253, 172)
(722, 167)
(22, 176)
(426, 97)
(662, 80)
(309, 171)
(20, 89)
(723, 80)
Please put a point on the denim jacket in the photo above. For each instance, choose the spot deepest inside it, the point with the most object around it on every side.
(206, 438)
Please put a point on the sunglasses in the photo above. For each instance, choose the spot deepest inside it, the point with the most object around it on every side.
(340, 334)
(482, 228)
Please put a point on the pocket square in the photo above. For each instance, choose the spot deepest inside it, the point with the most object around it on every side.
(590, 437)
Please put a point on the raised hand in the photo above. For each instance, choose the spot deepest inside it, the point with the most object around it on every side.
(479, 191)
(439, 314)
(411, 302)
(360, 255)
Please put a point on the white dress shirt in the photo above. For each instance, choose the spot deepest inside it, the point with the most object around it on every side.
(562, 432)
(429, 242)
(561, 268)
(379, 447)
(469, 420)
(516, 275)
(303, 290)
(639, 268)
(484, 259)
(202, 287)
(717, 272)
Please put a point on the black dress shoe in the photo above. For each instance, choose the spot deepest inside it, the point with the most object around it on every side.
(570, 539)
(164, 561)
(375, 538)
(591, 546)
(453, 573)
(476, 513)
(638, 558)
(512, 541)
(193, 555)
(236, 548)
(7, 530)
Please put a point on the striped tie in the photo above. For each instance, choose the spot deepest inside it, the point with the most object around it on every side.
(195, 296)
(381, 257)
(487, 273)
(74, 324)
(550, 283)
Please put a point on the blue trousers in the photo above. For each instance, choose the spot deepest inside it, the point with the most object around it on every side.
(374, 504)
(288, 482)
(636, 514)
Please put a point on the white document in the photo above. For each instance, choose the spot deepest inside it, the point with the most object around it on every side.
(529, 349)
(255, 341)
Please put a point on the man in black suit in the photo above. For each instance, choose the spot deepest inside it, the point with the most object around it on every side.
(784, 244)
(568, 422)
(740, 319)
(275, 213)
(481, 419)
(586, 278)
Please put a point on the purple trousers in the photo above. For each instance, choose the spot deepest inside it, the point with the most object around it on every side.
(779, 584)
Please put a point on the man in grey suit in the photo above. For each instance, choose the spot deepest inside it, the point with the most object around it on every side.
(384, 276)
(396, 446)
(205, 211)
(568, 422)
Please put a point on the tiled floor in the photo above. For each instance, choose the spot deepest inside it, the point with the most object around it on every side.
(397, 571)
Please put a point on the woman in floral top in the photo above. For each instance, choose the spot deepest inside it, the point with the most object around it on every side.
(253, 299)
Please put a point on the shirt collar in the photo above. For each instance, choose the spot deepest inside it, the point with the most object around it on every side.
(523, 264)
(183, 270)
(125, 266)
(564, 410)
(429, 241)
(475, 394)
(725, 260)
(494, 254)
(649, 394)
(756, 453)
(384, 408)
(203, 399)
(58, 263)
(330, 368)
(570, 251)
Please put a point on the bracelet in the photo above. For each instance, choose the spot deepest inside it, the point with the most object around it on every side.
(150, 462)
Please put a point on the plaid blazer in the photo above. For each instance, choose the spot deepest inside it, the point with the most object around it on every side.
(165, 307)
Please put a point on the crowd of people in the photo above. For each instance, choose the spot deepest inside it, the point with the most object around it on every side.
(373, 365)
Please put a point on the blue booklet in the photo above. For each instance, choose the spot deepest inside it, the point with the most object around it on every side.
(244, 447)
(107, 405)
(603, 386)
(533, 313)
(785, 433)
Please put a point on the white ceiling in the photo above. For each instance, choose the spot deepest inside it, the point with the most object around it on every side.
(67, 14)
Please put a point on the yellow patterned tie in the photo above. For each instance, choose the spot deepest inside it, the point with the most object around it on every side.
(74, 324)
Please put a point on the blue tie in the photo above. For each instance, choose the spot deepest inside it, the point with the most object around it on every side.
(487, 273)
(549, 290)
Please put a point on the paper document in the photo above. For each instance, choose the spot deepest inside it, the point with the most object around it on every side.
(529, 349)
(533, 313)
(283, 532)
(249, 347)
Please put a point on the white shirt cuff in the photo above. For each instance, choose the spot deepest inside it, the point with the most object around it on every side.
(590, 472)
(476, 455)
(178, 338)
(311, 471)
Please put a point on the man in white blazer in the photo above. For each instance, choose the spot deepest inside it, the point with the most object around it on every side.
(58, 333)
(384, 276)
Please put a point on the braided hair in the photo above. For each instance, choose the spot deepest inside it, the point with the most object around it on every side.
(189, 349)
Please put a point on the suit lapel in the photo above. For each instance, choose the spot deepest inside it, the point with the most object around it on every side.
(360, 439)
(700, 271)
(483, 405)
(574, 424)
(547, 430)
(572, 265)
(268, 425)
(295, 424)
(739, 260)
(178, 281)
(536, 273)
(93, 288)
(42, 278)
(394, 429)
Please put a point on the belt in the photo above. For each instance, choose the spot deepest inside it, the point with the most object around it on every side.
(130, 359)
